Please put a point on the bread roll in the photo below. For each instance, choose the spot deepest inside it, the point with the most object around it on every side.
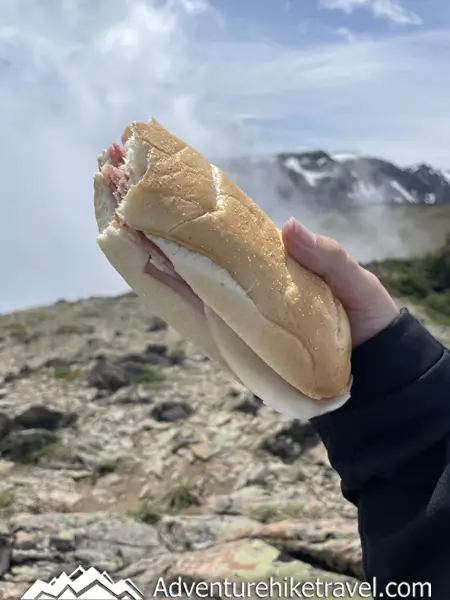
(230, 258)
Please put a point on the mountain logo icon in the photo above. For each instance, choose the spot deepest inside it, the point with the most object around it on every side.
(83, 585)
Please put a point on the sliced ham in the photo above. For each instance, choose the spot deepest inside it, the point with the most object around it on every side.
(159, 265)
(157, 256)
(115, 177)
(116, 155)
(175, 283)
(117, 181)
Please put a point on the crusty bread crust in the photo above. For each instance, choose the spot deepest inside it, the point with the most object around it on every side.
(297, 326)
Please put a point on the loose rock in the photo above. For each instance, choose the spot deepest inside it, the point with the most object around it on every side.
(26, 446)
(44, 417)
(291, 442)
(171, 411)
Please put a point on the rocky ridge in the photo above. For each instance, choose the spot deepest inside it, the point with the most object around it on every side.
(123, 448)
(325, 180)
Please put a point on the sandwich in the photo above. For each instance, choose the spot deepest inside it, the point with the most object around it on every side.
(205, 258)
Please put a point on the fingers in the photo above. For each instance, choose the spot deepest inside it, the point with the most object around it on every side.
(327, 258)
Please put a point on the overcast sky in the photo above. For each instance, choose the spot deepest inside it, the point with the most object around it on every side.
(229, 77)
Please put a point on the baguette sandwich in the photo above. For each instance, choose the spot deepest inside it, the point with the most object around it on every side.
(206, 259)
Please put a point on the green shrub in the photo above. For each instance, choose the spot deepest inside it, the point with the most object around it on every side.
(437, 268)
(181, 496)
(72, 329)
(271, 513)
(147, 512)
(426, 279)
(412, 284)
(66, 373)
(89, 313)
(7, 499)
(149, 377)
(439, 303)
(176, 499)
(13, 327)
(46, 450)
(16, 331)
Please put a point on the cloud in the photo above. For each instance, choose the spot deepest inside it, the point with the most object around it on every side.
(346, 33)
(78, 73)
(389, 10)
(73, 73)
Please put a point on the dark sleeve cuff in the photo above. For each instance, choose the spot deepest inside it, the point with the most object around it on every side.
(399, 405)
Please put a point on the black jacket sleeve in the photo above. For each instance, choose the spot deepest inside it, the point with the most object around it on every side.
(390, 444)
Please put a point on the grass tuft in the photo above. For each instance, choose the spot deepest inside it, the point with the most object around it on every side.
(178, 498)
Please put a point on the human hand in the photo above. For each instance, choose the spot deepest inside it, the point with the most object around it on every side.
(368, 305)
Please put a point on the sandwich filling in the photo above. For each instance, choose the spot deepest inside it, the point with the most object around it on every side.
(158, 266)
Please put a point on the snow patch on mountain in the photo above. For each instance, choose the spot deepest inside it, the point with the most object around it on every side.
(404, 193)
(311, 177)
(343, 156)
(320, 180)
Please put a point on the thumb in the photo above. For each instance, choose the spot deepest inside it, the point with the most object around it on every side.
(368, 304)
(328, 259)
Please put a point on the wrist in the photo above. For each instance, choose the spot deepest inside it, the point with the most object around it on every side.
(375, 325)
(397, 355)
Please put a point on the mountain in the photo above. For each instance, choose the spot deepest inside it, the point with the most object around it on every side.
(340, 180)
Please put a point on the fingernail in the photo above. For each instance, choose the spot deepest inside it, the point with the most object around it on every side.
(302, 235)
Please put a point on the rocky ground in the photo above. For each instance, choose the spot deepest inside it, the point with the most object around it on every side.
(123, 448)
